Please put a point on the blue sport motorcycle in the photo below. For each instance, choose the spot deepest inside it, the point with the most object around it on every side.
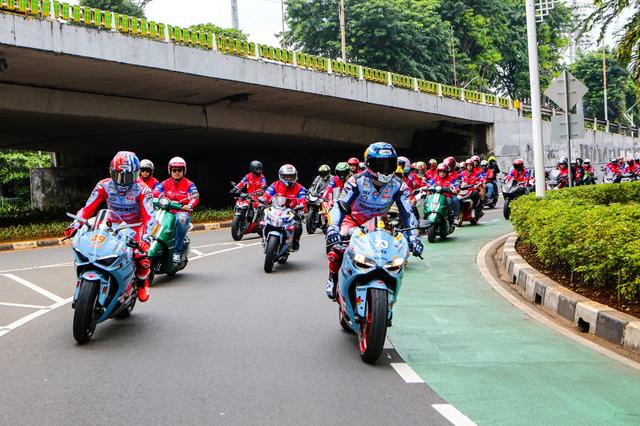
(105, 268)
(369, 281)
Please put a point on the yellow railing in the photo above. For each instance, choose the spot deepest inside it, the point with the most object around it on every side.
(132, 26)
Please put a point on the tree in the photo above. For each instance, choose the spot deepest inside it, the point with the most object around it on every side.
(16, 166)
(227, 32)
(621, 89)
(126, 7)
(404, 36)
(627, 48)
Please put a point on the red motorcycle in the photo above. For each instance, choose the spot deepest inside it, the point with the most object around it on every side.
(247, 214)
(469, 211)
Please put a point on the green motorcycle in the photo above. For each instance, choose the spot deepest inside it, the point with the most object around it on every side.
(436, 211)
(161, 250)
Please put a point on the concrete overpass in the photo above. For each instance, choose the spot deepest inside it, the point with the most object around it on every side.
(83, 90)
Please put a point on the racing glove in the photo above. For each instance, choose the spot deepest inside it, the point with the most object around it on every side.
(333, 235)
(71, 230)
(416, 247)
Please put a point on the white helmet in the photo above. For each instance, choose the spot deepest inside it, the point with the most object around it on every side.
(147, 164)
(288, 174)
(177, 162)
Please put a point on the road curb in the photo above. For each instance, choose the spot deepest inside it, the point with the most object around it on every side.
(587, 315)
(53, 242)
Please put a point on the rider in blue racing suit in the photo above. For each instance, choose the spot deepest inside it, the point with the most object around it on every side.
(370, 194)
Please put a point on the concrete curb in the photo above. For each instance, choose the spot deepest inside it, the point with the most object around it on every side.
(53, 242)
(587, 315)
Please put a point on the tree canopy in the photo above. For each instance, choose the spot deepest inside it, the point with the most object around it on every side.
(16, 166)
(127, 7)
(227, 32)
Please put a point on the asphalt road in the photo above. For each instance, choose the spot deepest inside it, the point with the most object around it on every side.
(222, 342)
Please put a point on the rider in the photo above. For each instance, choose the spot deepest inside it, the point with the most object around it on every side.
(369, 195)
(421, 174)
(337, 181)
(445, 180)
(322, 180)
(588, 168)
(128, 196)
(295, 197)
(254, 180)
(146, 174)
(493, 165)
(405, 164)
(563, 166)
(632, 167)
(518, 172)
(432, 172)
(579, 171)
(181, 190)
(354, 165)
(614, 166)
(489, 179)
(470, 178)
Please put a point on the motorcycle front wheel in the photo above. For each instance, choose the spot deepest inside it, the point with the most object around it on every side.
(311, 220)
(431, 233)
(506, 210)
(270, 253)
(373, 329)
(85, 315)
(238, 226)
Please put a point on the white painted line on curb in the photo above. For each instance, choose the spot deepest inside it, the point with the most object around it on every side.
(22, 321)
(450, 413)
(21, 305)
(406, 372)
(34, 287)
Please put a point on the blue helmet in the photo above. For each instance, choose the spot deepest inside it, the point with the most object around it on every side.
(124, 168)
(381, 160)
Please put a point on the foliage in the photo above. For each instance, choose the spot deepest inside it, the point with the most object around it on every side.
(33, 231)
(227, 32)
(621, 89)
(126, 7)
(607, 11)
(592, 231)
(16, 166)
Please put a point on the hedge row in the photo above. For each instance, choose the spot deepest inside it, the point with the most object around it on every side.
(592, 231)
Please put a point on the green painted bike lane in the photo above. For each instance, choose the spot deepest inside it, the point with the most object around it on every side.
(490, 360)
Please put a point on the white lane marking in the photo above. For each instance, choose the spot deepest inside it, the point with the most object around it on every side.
(387, 344)
(34, 287)
(22, 321)
(197, 252)
(450, 413)
(406, 372)
(223, 251)
(21, 305)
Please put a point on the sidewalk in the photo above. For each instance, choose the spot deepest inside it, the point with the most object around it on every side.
(491, 361)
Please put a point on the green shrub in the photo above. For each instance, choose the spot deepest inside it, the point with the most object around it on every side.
(593, 231)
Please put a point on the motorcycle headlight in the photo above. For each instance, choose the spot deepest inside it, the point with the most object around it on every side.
(363, 262)
(394, 265)
(163, 202)
(81, 257)
(107, 260)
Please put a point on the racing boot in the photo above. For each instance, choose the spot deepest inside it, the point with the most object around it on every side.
(332, 286)
(295, 245)
(144, 289)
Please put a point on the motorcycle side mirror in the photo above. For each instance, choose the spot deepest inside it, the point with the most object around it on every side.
(233, 183)
(344, 207)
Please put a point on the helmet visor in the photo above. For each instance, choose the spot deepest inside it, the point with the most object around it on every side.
(123, 178)
(384, 166)
(324, 173)
(288, 178)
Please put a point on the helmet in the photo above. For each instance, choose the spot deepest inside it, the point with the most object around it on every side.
(450, 161)
(587, 161)
(399, 172)
(342, 170)
(288, 174)
(443, 168)
(614, 161)
(518, 164)
(469, 162)
(177, 162)
(146, 164)
(124, 168)
(324, 171)
(421, 168)
(353, 161)
(492, 158)
(563, 162)
(255, 167)
(381, 161)
(631, 161)
(484, 163)
(475, 159)
(579, 161)
(405, 163)
(433, 163)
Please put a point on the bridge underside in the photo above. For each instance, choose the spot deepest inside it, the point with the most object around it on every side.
(85, 110)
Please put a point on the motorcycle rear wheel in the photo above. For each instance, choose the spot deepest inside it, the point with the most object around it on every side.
(311, 220)
(85, 315)
(373, 330)
(270, 253)
(238, 226)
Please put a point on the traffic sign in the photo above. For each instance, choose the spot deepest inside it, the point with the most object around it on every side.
(557, 91)
(559, 126)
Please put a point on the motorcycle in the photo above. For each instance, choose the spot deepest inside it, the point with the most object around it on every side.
(164, 240)
(611, 177)
(369, 281)
(490, 203)
(278, 230)
(314, 219)
(468, 211)
(436, 212)
(589, 179)
(557, 180)
(511, 190)
(105, 288)
(627, 177)
(247, 215)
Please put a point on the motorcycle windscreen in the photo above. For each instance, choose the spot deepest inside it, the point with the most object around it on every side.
(106, 219)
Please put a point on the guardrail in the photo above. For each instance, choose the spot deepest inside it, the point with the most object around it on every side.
(140, 27)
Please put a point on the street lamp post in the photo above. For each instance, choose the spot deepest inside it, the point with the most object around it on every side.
(604, 82)
(343, 36)
(534, 79)
(235, 22)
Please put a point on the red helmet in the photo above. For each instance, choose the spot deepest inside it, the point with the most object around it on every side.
(177, 162)
(518, 164)
(353, 161)
(443, 168)
(450, 161)
(433, 163)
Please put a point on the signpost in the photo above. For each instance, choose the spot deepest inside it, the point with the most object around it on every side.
(567, 92)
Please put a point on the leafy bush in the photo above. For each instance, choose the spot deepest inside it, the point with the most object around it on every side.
(593, 231)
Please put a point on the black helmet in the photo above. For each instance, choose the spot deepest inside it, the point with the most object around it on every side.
(563, 161)
(579, 161)
(255, 167)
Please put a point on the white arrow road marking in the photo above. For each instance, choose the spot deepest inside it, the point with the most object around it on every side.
(21, 305)
(22, 321)
(197, 252)
(406, 372)
(450, 413)
(34, 287)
